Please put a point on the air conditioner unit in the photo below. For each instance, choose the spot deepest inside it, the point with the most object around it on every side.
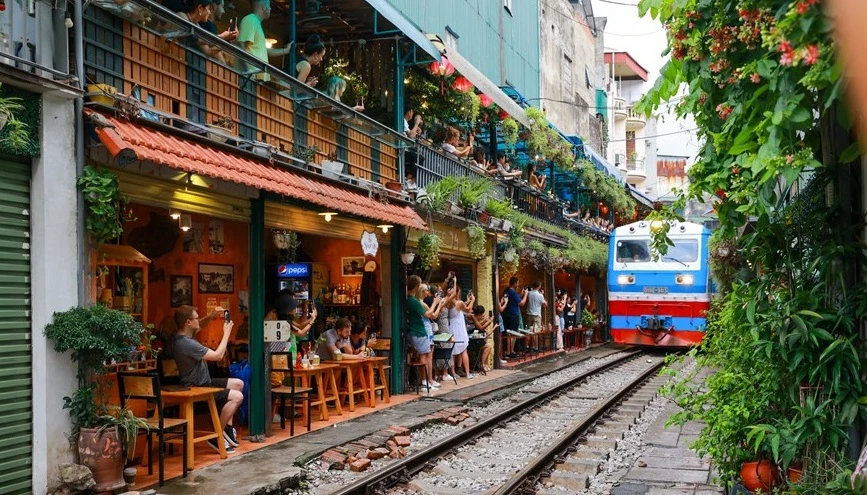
(619, 159)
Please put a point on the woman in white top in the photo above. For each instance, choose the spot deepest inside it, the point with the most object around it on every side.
(452, 146)
(458, 310)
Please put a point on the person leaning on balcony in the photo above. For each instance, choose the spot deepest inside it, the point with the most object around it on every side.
(336, 88)
(536, 180)
(503, 168)
(251, 36)
(314, 52)
(199, 12)
(217, 10)
(452, 145)
(479, 159)
(410, 116)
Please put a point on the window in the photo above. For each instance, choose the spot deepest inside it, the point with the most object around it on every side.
(634, 251)
(638, 251)
(566, 78)
(507, 4)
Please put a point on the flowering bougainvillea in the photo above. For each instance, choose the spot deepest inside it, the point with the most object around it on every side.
(760, 79)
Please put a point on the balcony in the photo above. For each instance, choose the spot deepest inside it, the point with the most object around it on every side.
(635, 172)
(152, 61)
(620, 108)
(634, 120)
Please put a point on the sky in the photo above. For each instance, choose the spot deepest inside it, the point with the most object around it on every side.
(644, 39)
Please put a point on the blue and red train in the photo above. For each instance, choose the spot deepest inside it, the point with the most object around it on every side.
(658, 303)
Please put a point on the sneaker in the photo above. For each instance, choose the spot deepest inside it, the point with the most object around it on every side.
(430, 385)
(435, 384)
(276, 418)
(503, 362)
(447, 377)
(230, 435)
(471, 376)
(213, 444)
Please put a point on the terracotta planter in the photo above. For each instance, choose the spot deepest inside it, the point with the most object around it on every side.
(759, 475)
(795, 472)
(484, 217)
(102, 453)
(394, 186)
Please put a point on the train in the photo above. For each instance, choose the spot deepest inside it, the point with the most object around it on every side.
(662, 302)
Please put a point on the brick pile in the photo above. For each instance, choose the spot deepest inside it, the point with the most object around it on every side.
(389, 442)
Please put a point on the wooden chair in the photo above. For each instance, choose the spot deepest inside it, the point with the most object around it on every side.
(281, 361)
(413, 361)
(146, 386)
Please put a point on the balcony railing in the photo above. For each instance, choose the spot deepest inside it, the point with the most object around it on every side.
(634, 119)
(635, 165)
(144, 50)
(619, 104)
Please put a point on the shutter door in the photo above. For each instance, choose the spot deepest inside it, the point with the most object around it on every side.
(16, 418)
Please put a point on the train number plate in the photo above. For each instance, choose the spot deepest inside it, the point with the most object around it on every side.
(656, 290)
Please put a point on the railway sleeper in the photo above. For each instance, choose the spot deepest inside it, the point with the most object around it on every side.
(428, 488)
(623, 418)
(620, 425)
(569, 480)
(444, 470)
(615, 433)
(580, 466)
(600, 443)
(631, 408)
(590, 453)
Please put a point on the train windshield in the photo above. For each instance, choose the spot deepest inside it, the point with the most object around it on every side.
(638, 251)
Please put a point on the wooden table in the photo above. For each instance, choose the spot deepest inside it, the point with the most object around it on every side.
(363, 368)
(186, 399)
(326, 386)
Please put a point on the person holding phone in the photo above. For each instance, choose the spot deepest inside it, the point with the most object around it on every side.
(314, 53)
(481, 323)
(218, 8)
(191, 356)
(336, 88)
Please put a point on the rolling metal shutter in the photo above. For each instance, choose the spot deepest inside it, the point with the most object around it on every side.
(16, 415)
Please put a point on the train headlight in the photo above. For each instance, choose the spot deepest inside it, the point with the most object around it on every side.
(686, 279)
(625, 279)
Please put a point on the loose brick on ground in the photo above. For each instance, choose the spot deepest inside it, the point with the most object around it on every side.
(403, 441)
(359, 465)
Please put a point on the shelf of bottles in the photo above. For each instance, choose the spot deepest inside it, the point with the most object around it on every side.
(345, 301)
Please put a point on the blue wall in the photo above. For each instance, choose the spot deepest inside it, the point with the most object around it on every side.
(478, 22)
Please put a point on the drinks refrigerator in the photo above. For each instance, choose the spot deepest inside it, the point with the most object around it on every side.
(308, 281)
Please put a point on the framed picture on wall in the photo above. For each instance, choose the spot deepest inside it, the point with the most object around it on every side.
(182, 290)
(216, 279)
(352, 266)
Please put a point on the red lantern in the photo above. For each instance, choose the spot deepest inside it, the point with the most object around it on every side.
(462, 84)
(604, 210)
(504, 115)
(486, 100)
(442, 68)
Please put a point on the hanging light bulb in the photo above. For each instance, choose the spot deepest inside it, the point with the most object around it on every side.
(176, 215)
(186, 222)
(328, 215)
(68, 21)
(384, 227)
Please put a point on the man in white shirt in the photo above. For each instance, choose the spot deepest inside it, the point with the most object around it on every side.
(410, 116)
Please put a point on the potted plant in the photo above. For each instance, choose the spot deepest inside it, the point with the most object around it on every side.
(17, 133)
(476, 241)
(107, 207)
(96, 336)
(306, 153)
(510, 132)
(534, 249)
(472, 191)
(428, 248)
(331, 166)
(439, 193)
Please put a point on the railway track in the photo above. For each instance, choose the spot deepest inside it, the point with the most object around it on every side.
(508, 452)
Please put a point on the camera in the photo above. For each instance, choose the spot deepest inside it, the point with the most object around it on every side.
(527, 288)
(450, 281)
(226, 316)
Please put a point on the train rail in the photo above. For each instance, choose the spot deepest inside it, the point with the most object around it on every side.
(554, 420)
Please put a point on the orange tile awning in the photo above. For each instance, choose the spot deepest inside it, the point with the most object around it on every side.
(128, 141)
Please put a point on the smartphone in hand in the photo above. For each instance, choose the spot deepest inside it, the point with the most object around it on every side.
(233, 24)
(227, 316)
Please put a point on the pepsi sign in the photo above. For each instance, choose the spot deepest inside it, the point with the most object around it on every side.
(296, 270)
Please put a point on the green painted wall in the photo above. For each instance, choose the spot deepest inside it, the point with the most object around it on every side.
(486, 32)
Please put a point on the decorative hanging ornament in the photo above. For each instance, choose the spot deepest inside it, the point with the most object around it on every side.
(485, 100)
(462, 84)
(442, 69)
(504, 115)
(604, 209)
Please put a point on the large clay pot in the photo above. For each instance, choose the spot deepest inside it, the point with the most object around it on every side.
(759, 475)
(102, 453)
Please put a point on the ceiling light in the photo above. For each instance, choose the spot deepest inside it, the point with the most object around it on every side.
(328, 215)
(384, 227)
(186, 222)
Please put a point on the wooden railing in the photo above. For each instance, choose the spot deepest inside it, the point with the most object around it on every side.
(144, 51)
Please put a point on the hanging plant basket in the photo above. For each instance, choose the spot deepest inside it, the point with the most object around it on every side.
(453, 209)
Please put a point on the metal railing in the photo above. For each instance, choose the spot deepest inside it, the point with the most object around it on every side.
(634, 116)
(635, 165)
(143, 48)
(431, 165)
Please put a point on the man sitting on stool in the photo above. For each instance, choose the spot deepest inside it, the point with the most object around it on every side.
(190, 357)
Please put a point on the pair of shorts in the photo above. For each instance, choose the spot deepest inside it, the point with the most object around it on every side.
(221, 397)
(533, 320)
(510, 322)
(420, 344)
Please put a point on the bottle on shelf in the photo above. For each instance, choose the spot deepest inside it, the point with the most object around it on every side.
(335, 297)
(358, 294)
